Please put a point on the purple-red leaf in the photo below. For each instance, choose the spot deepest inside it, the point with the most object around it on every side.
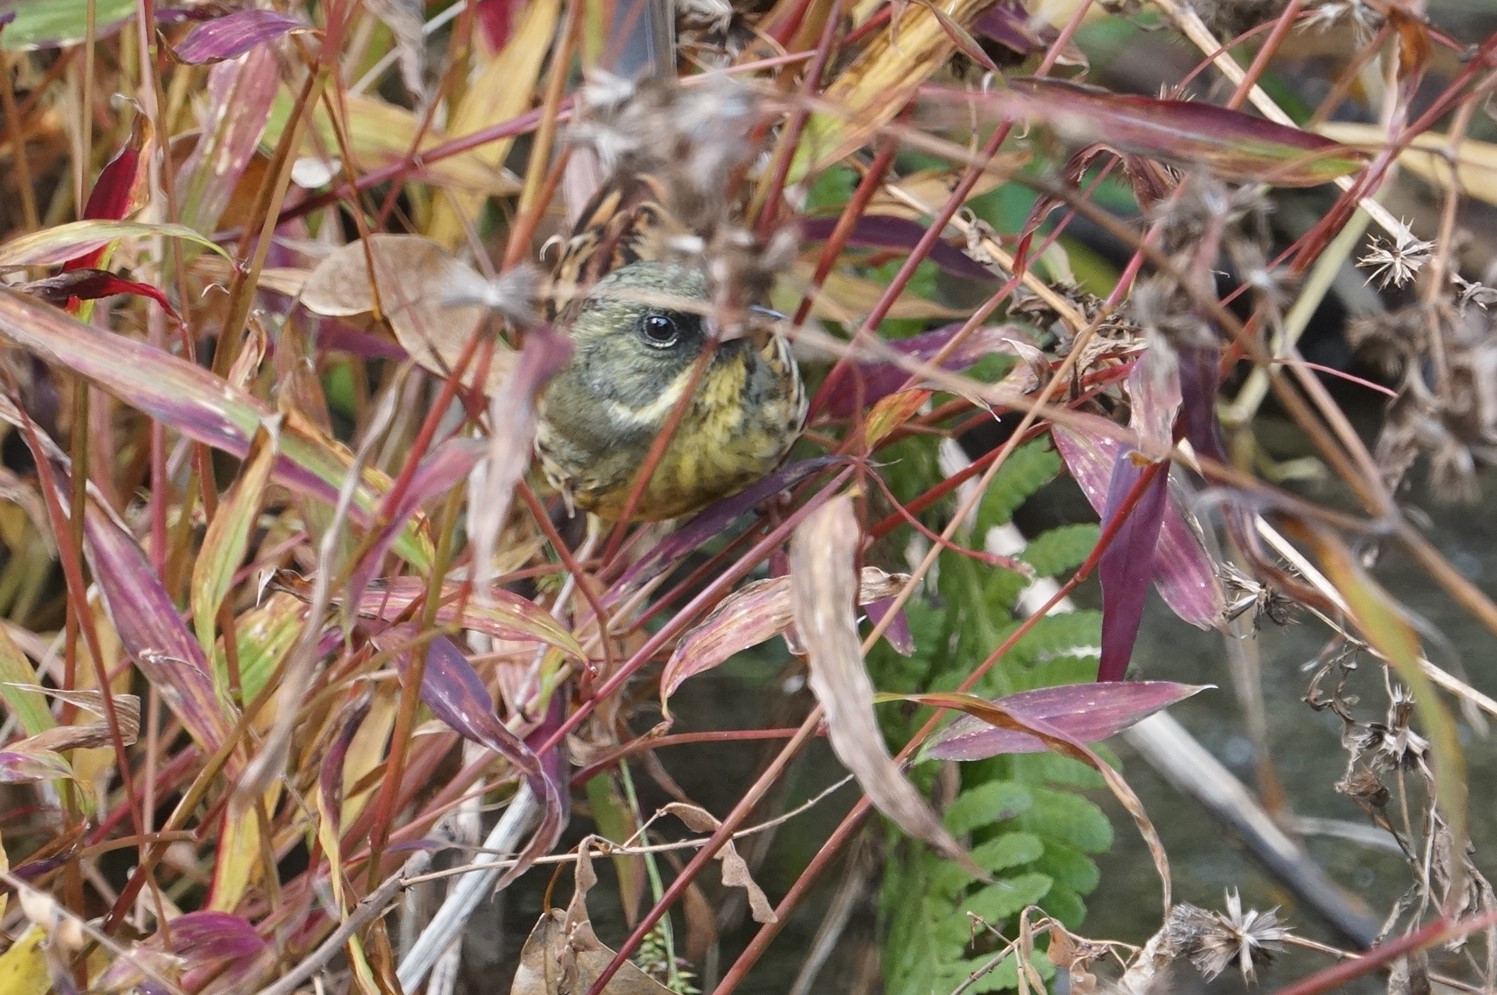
(1231, 144)
(91, 285)
(1183, 572)
(149, 626)
(120, 189)
(749, 616)
(1087, 713)
(500, 614)
(193, 401)
(712, 521)
(882, 379)
(232, 35)
(882, 231)
(999, 715)
(456, 695)
(1136, 500)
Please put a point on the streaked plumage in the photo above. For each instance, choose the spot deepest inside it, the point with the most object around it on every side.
(637, 337)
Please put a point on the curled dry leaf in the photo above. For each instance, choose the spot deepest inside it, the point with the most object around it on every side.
(84, 735)
(558, 960)
(735, 868)
(416, 289)
(823, 585)
(758, 612)
(563, 955)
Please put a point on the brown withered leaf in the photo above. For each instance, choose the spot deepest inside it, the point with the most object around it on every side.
(85, 735)
(823, 585)
(735, 868)
(418, 282)
(556, 961)
(749, 616)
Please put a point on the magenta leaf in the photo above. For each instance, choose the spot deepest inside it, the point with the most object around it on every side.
(148, 624)
(1200, 376)
(1128, 561)
(716, 518)
(91, 285)
(1086, 712)
(456, 695)
(232, 35)
(500, 614)
(898, 634)
(1011, 25)
(882, 379)
(1228, 143)
(1183, 572)
(882, 231)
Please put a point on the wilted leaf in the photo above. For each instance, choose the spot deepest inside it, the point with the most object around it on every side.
(92, 285)
(880, 81)
(1085, 712)
(749, 616)
(823, 586)
(1468, 165)
(416, 282)
(735, 870)
(557, 960)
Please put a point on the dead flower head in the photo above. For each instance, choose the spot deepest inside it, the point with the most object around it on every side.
(1396, 262)
(1213, 941)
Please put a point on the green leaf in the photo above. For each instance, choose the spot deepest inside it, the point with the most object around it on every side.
(985, 804)
(1061, 549)
(54, 23)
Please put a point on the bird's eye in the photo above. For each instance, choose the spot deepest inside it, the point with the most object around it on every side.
(659, 330)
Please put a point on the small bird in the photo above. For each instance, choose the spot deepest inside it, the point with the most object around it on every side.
(638, 334)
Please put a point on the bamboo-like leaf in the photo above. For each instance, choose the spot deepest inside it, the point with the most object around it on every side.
(1228, 143)
(65, 242)
(227, 537)
(996, 713)
(192, 401)
(1087, 712)
(748, 617)
(823, 587)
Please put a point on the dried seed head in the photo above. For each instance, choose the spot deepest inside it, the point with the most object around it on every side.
(1397, 261)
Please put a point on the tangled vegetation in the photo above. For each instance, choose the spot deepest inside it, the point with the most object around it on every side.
(301, 658)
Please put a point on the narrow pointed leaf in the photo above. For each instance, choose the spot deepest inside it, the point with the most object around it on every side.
(65, 242)
(1183, 572)
(1088, 713)
(823, 587)
(192, 401)
(1229, 143)
(1128, 561)
(232, 35)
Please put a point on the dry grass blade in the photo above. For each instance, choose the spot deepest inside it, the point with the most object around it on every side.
(824, 585)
